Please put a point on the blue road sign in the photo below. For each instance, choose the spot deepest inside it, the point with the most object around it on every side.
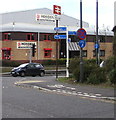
(69, 39)
(59, 36)
(96, 46)
(60, 28)
(72, 32)
(82, 43)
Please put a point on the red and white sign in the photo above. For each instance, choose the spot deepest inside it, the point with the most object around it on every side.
(44, 17)
(25, 45)
(57, 9)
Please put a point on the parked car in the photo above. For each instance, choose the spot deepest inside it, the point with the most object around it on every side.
(28, 69)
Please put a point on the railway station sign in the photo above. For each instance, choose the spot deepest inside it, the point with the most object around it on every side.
(57, 9)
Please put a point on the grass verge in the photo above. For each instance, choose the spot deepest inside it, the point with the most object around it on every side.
(71, 80)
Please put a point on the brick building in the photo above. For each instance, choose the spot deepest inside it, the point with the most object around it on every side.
(19, 30)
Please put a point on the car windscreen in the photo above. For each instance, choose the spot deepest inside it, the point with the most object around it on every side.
(23, 65)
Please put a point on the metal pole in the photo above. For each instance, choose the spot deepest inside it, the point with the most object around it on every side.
(67, 51)
(30, 55)
(81, 50)
(81, 14)
(97, 42)
(56, 51)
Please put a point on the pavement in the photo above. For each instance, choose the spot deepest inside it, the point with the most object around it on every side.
(50, 84)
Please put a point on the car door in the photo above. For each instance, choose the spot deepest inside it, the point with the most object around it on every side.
(37, 68)
(30, 69)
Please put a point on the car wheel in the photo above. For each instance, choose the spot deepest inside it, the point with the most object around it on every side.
(33, 75)
(22, 74)
(14, 75)
(42, 74)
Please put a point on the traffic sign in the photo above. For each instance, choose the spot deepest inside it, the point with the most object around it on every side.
(57, 9)
(72, 33)
(59, 36)
(60, 28)
(69, 39)
(96, 46)
(81, 33)
(82, 43)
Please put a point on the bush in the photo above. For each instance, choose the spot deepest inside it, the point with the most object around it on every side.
(9, 63)
(110, 63)
(53, 62)
(112, 76)
(88, 67)
(74, 64)
(97, 76)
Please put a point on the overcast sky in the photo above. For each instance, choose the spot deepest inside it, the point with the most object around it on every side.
(68, 7)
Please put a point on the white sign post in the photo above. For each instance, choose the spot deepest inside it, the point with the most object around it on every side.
(67, 52)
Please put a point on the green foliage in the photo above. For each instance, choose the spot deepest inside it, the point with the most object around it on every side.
(110, 68)
(93, 74)
(53, 62)
(110, 63)
(97, 76)
(9, 63)
(112, 76)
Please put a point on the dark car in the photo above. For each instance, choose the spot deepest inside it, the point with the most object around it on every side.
(28, 69)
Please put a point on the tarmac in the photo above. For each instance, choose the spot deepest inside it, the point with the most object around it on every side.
(50, 84)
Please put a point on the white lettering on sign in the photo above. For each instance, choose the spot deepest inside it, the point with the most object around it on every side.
(25, 45)
(45, 17)
(57, 9)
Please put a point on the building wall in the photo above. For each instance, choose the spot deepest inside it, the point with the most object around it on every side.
(107, 47)
(42, 44)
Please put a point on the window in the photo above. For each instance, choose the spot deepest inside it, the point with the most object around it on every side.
(73, 38)
(47, 52)
(38, 65)
(30, 36)
(46, 36)
(102, 53)
(6, 53)
(84, 53)
(102, 38)
(7, 36)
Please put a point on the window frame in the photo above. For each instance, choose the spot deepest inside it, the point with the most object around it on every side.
(48, 51)
(47, 37)
(7, 37)
(30, 34)
(84, 53)
(101, 54)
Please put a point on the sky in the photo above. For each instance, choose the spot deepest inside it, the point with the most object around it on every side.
(68, 7)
